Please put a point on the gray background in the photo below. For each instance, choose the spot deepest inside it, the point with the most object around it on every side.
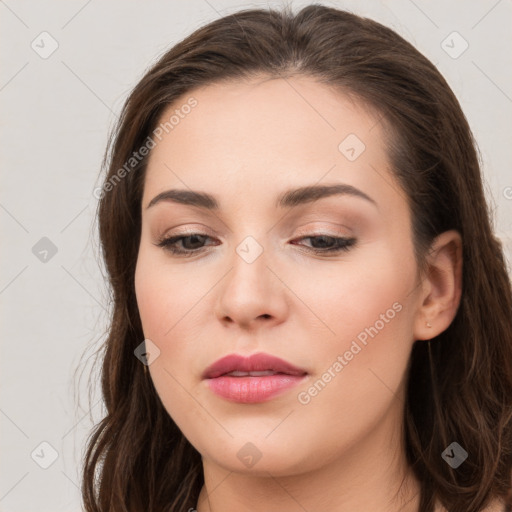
(56, 113)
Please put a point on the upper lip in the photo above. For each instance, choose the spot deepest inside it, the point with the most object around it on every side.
(255, 362)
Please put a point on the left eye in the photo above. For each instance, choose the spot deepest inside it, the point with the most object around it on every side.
(330, 244)
(192, 244)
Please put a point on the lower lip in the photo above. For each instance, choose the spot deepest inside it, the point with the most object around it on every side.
(248, 390)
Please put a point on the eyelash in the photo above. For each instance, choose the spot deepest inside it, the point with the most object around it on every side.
(341, 244)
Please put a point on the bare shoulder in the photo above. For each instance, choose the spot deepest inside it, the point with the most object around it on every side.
(496, 505)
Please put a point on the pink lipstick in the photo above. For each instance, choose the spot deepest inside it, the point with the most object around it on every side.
(252, 379)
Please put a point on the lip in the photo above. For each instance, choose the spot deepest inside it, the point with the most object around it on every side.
(254, 363)
(252, 389)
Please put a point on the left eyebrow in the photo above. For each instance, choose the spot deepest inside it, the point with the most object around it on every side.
(288, 199)
(298, 196)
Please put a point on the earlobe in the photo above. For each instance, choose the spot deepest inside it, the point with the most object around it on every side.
(442, 288)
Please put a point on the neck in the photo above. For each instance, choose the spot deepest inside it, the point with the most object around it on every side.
(370, 475)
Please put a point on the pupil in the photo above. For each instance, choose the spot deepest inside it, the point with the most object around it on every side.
(322, 240)
(195, 238)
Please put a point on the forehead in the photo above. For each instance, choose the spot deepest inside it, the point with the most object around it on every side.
(266, 134)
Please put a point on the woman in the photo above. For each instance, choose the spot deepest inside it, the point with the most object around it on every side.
(311, 311)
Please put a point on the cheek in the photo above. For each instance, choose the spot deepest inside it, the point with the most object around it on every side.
(173, 305)
(363, 292)
(164, 295)
(365, 314)
(153, 301)
(360, 370)
(164, 299)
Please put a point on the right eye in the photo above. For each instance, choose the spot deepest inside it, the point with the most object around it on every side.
(195, 240)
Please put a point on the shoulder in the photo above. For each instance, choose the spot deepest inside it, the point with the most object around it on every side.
(496, 505)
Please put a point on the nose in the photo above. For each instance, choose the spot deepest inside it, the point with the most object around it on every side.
(252, 294)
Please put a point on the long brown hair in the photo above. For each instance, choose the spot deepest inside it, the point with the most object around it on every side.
(459, 385)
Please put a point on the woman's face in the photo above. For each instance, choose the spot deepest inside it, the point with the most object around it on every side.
(255, 279)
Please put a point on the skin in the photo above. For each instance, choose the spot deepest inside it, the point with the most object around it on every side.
(245, 143)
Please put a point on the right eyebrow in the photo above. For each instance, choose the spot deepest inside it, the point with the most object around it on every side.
(187, 197)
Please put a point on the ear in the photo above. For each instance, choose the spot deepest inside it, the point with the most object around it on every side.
(441, 286)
